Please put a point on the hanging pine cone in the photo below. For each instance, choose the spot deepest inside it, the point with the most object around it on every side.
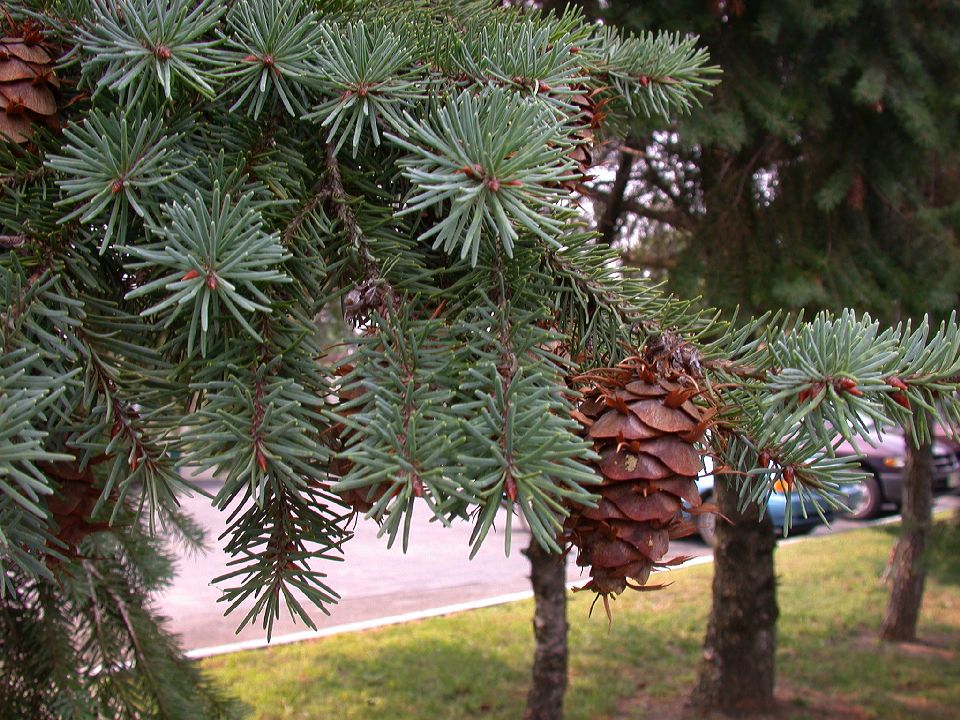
(72, 504)
(27, 82)
(644, 428)
(337, 437)
(589, 117)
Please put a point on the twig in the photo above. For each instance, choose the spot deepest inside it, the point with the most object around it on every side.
(343, 212)
(321, 193)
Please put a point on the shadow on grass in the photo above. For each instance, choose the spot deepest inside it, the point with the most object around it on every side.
(433, 672)
(374, 677)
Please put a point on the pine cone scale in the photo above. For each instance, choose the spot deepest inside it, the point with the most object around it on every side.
(657, 415)
(14, 69)
(35, 98)
(614, 424)
(643, 503)
(619, 465)
(682, 487)
(22, 51)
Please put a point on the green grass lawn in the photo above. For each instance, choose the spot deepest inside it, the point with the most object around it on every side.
(476, 664)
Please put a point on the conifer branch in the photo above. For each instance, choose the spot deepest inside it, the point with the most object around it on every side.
(343, 211)
(507, 368)
(322, 191)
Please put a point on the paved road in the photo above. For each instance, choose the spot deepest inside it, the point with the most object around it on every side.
(373, 581)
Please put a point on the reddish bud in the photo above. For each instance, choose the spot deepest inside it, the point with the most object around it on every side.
(545, 88)
(267, 60)
(900, 399)
(417, 487)
(163, 53)
(510, 487)
(493, 185)
(250, 58)
(764, 459)
(471, 171)
(115, 430)
(135, 460)
(848, 385)
(897, 383)
(513, 183)
(644, 81)
(190, 275)
(362, 90)
(574, 50)
(789, 476)
(117, 186)
(261, 460)
(212, 281)
(804, 395)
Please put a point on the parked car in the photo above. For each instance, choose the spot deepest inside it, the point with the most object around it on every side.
(885, 464)
(776, 509)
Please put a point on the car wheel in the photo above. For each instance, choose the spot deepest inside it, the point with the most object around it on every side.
(870, 502)
(707, 526)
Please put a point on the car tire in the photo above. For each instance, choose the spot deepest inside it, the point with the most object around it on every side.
(871, 502)
(707, 526)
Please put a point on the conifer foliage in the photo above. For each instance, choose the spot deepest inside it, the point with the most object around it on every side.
(229, 173)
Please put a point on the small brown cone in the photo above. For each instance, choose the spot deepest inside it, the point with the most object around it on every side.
(588, 115)
(337, 438)
(643, 426)
(72, 505)
(27, 83)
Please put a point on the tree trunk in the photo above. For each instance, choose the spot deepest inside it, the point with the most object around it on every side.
(549, 678)
(737, 673)
(908, 568)
(607, 226)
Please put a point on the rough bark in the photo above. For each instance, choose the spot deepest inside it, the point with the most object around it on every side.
(908, 570)
(549, 677)
(737, 670)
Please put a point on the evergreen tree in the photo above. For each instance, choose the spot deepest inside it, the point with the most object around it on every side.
(188, 185)
(820, 174)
